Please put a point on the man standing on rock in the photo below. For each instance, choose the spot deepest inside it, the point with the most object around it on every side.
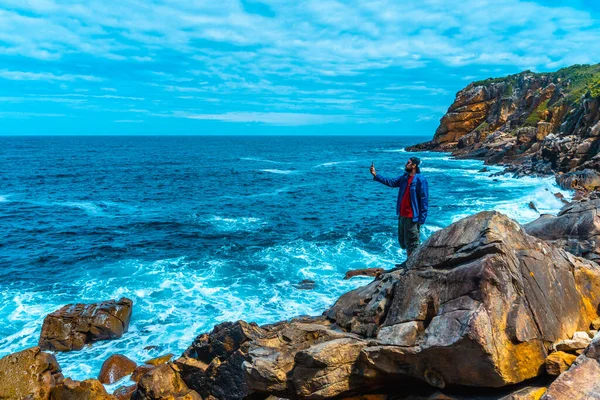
(412, 203)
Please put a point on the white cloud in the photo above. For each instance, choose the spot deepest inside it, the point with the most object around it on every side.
(44, 76)
(271, 118)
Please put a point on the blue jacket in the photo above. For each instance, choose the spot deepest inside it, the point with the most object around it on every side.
(419, 194)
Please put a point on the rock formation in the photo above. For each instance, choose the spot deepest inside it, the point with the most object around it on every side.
(479, 305)
(76, 325)
(540, 123)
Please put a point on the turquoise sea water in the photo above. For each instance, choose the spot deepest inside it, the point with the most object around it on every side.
(201, 230)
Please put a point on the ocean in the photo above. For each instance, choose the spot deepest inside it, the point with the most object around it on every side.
(202, 230)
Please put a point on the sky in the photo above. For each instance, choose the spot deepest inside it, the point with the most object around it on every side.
(185, 67)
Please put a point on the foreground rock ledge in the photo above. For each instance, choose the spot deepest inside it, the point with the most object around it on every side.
(28, 374)
(76, 325)
(479, 305)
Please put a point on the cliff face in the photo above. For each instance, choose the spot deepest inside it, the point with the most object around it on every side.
(538, 123)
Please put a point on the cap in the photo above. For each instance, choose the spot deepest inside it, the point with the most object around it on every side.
(415, 160)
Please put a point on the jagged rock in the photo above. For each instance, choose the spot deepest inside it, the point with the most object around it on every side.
(89, 389)
(116, 367)
(141, 371)
(576, 229)
(125, 392)
(28, 374)
(160, 360)
(75, 325)
(364, 272)
(476, 306)
(212, 365)
(164, 383)
(558, 362)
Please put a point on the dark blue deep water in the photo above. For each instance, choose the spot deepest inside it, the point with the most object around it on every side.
(200, 230)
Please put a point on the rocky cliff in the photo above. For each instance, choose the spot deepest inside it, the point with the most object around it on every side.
(538, 123)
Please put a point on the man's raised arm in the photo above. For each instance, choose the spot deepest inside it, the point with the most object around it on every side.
(391, 182)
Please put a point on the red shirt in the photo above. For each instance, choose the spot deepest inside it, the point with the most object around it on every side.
(405, 206)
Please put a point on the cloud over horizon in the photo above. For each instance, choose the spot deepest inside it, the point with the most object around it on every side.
(203, 67)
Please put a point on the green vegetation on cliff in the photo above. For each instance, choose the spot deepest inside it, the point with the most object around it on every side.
(538, 114)
(575, 81)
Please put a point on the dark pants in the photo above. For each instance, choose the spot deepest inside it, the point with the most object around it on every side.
(409, 233)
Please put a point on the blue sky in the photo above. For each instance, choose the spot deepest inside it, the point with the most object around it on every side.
(269, 67)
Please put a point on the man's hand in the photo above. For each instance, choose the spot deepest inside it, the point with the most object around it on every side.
(372, 170)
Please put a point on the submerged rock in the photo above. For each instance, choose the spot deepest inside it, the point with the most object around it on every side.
(576, 229)
(76, 325)
(374, 272)
(476, 306)
(28, 374)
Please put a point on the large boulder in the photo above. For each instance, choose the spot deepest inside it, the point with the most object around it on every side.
(89, 389)
(75, 325)
(478, 305)
(486, 298)
(576, 229)
(28, 374)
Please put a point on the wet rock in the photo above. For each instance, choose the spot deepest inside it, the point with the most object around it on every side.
(115, 368)
(164, 383)
(305, 284)
(89, 389)
(484, 169)
(141, 371)
(76, 325)
(532, 206)
(576, 229)
(160, 360)
(558, 362)
(374, 272)
(28, 374)
(125, 392)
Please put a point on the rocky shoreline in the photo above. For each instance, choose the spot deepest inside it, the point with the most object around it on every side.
(485, 309)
